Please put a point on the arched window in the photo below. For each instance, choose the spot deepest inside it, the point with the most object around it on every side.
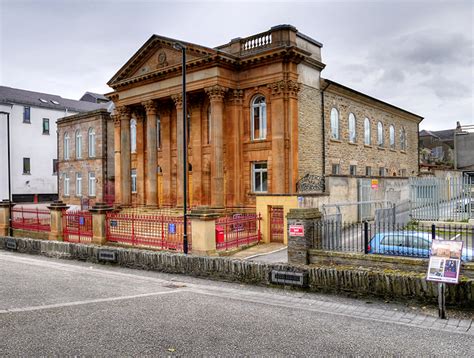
(392, 136)
(367, 131)
(91, 137)
(133, 135)
(258, 118)
(334, 123)
(78, 144)
(352, 128)
(403, 139)
(158, 132)
(209, 125)
(66, 146)
(380, 134)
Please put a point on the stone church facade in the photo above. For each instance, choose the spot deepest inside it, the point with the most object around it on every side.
(260, 118)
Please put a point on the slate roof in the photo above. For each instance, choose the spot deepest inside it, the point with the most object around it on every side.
(96, 96)
(45, 100)
(447, 134)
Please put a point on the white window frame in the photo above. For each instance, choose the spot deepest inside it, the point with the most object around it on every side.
(352, 128)
(91, 142)
(91, 177)
(391, 131)
(367, 134)
(380, 134)
(258, 173)
(66, 146)
(133, 175)
(334, 123)
(261, 107)
(78, 184)
(66, 184)
(133, 135)
(78, 144)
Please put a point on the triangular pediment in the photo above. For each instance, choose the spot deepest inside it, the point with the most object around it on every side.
(158, 54)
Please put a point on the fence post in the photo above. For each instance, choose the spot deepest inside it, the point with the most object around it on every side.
(203, 230)
(366, 237)
(5, 218)
(57, 208)
(99, 222)
(301, 231)
(433, 231)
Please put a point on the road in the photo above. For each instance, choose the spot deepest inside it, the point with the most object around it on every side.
(52, 307)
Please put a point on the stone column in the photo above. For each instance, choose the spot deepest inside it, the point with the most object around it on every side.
(99, 228)
(299, 243)
(117, 159)
(57, 210)
(125, 170)
(140, 155)
(5, 217)
(166, 157)
(203, 228)
(151, 189)
(178, 101)
(196, 145)
(233, 154)
(216, 96)
(293, 88)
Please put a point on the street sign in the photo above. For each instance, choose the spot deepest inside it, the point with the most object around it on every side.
(445, 261)
(374, 183)
(172, 228)
(296, 230)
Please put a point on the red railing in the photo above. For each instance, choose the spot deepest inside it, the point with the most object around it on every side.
(162, 231)
(237, 230)
(32, 219)
(77, 226)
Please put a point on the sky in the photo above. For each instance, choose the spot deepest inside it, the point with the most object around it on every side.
(417, 55)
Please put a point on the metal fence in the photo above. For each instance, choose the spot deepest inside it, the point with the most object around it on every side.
(441, 199)
(148, 230)
(412, 240)
(237, 230)
(32, 219)
(77, 226)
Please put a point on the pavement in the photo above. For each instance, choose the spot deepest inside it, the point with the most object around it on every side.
(271, 252)
(51, 307)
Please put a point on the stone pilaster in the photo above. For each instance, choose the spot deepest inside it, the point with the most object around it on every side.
(117, 158)
(216, 96)
(151, 155)
(196, 145)
(99, 229)
(234, 153)
(166, 157)
(5, 216)
(299, 244)
(125, 170)
(57, 210)
(178, 101)
(140, 157)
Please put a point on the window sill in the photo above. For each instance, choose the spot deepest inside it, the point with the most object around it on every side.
(352, 143)
(26, 173)
(29, 122)
(367, 146)
(392, 150)
(334, 140)
(91, 196)
(403, 151)
(45, 133)
(380, 148)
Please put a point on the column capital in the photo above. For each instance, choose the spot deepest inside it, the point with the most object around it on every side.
(236, 96)
(216, 92)
(116, 119)
(282, 87)
(150, 107)
(123, 112)
(177, 99)
(139, 117)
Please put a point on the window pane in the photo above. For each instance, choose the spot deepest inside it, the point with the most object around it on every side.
(256, 123)
(264, 181)
(334, 123)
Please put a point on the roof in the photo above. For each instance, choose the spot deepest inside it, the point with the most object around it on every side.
(45, 100)
(426, 133)
(447, 134)
(96, 96)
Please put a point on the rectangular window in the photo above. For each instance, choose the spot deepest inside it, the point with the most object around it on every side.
(381, 171)
(45, 125)
(353, 170)
(91, 184)
(26, 166)
(78, 184)
(66, 184)
(336, 169)
(26, 115)
(368, 171)
(134, 180)
(55, 167)
(259, 177)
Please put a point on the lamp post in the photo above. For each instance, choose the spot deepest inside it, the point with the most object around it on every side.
(182, 48)
(9, 171)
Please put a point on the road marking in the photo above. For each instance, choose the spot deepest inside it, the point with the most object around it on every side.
(86, 302)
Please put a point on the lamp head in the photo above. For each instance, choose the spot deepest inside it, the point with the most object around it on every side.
(179, 46)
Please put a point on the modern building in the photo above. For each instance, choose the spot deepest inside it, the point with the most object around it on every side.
(33, 138)
(260, 118)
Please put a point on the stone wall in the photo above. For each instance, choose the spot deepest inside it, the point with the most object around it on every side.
(373, 282)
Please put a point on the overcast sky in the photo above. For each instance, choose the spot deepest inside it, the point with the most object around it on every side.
(417, 55)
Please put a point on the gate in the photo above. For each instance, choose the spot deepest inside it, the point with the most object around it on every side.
(364, 195)
(77, 226)
(276, 224)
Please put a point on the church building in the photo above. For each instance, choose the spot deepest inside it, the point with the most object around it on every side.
(259, 118)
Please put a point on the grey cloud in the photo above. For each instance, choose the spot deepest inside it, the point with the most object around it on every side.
(447, 89)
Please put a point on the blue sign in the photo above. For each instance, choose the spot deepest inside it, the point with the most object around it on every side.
(81, 220)
(113, 223)
(172, 228)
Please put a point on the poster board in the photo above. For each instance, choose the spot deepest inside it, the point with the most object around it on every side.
(445, 261)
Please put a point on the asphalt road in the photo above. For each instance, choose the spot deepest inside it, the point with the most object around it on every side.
(54, 307)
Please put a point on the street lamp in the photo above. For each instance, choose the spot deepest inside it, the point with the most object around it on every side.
(180, 47)
(9, 171)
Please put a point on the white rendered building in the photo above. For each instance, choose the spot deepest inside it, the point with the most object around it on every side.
(33, 141)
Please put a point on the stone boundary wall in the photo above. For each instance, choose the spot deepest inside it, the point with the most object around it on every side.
(400, 285)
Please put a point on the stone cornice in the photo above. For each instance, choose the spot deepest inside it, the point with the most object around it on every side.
(216, 92)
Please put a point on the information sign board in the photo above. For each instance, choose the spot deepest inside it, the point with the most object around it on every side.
(445, 261)
(296, 230)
